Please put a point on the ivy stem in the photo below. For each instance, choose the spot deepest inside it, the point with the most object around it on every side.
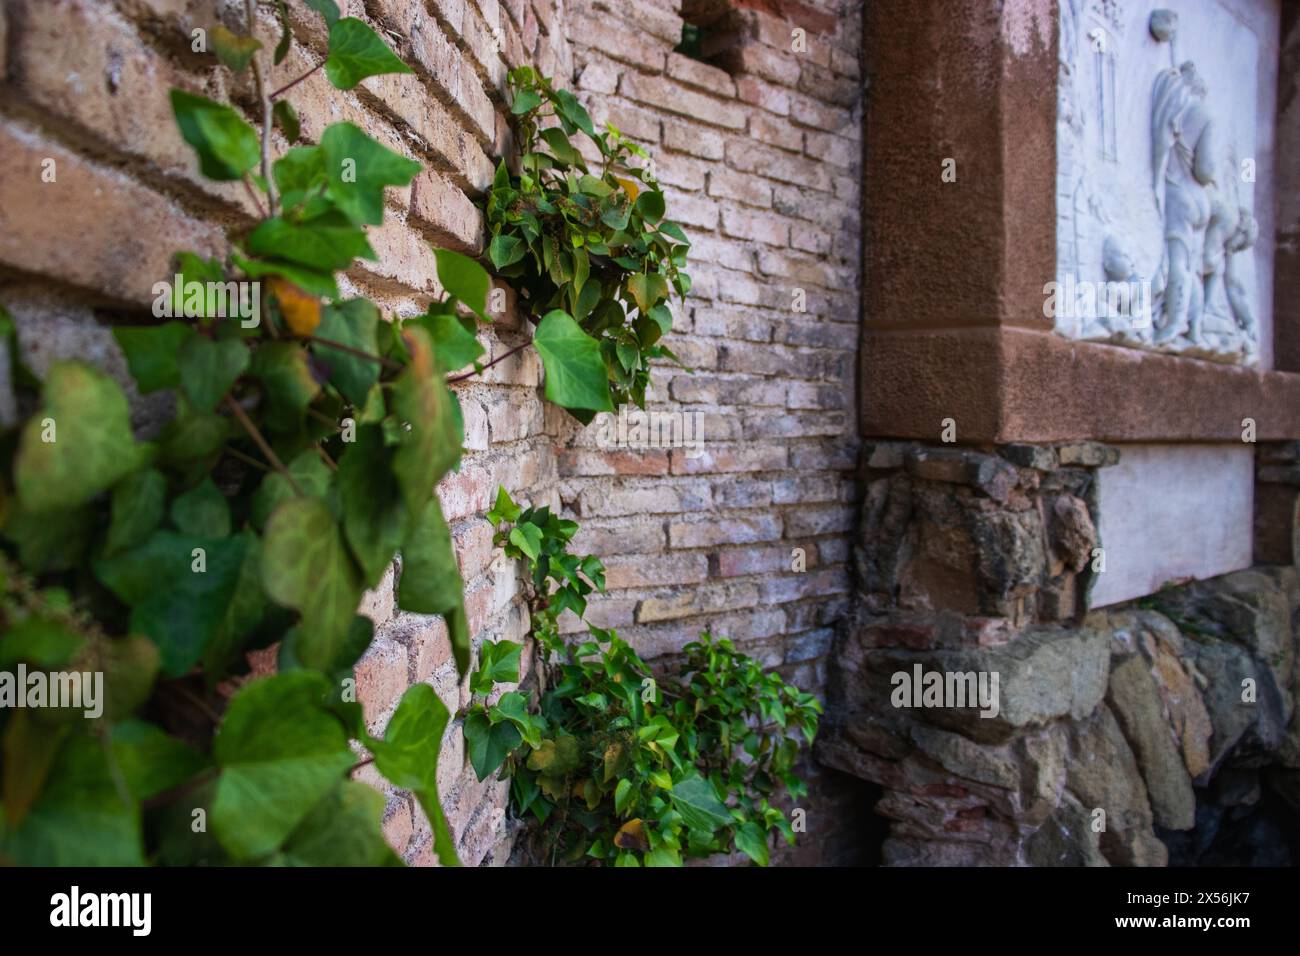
(325, 457)
(330, 343)
(479, 371)
(272, 199)
(292, 83)
(246, 459)
(261, 443)
(357, 766)
(252, 194)
(161, 799)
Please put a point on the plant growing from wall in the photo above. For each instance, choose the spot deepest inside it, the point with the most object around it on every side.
(587, 247)
(617, 766)
(306, 441)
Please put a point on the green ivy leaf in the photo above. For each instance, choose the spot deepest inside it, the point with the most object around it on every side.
(356, 52)
(309, 472)
(139, 501)
(453, 339)
(305, 566)
(317, 283)
(150, 761)
(179, 588)
(151, 353)
(647, 290)
(280, 751)
(408, 757)
(698, 803)
(524, 102)
(80, 818)
(575, 371)
(342, 829)
(287, 382)
(673, 231)
(232, 50)
(430, 582)
(623, 795)
(209, 368)
(299, 174)
(505, 251)
(650, 204)
(505, 509)
(567, 105)
(326, 8)
(561, 148)
(498, 664)
(527, 537)
(227, 146)
(327, 243)
(421, 400)
(751, 840)
(282, 48)
(92, 447)
(464, 279)
(286, 119)
(354, 323)
(358, 169)
(514, 708)
(202, 511)
(489, 744)
(374, 519)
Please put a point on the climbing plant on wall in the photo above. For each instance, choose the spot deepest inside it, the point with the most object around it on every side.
(588, 247)
(616, 765)
(301, 455)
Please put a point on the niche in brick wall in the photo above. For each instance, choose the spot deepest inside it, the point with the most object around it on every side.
(717, 31)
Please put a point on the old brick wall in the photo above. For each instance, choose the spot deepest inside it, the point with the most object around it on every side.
(760, 157)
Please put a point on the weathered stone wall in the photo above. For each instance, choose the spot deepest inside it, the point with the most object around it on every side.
(1173, 715)
(759, 155)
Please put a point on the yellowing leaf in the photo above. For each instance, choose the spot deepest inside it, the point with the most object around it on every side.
(301, 311)
(629, 186)
(631, 836)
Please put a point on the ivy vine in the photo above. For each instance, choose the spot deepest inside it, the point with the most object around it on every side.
(306, 440)
(615, 765)
(591, 253)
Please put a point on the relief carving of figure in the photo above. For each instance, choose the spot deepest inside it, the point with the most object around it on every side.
(1184, 155)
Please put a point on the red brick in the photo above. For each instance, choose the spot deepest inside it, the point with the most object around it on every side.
(761, 227)
(723, 460)
(586, 461)
(696, 140)
(453, 221)
(675, 98)
(725, 184)
(717, 529)
(701, 75)
(125, 234)
(640, 571)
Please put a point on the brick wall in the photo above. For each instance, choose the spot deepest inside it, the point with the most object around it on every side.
(759, 157)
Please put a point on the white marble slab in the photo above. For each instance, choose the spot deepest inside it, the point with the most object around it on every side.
(1173, 512)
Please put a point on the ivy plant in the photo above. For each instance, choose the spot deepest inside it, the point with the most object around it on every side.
(301, 453)
(587, 246)
(615, 765)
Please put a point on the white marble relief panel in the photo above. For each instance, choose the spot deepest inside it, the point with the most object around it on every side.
(1164, 143)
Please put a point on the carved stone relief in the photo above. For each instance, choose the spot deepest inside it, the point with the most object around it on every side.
(1156, 178)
